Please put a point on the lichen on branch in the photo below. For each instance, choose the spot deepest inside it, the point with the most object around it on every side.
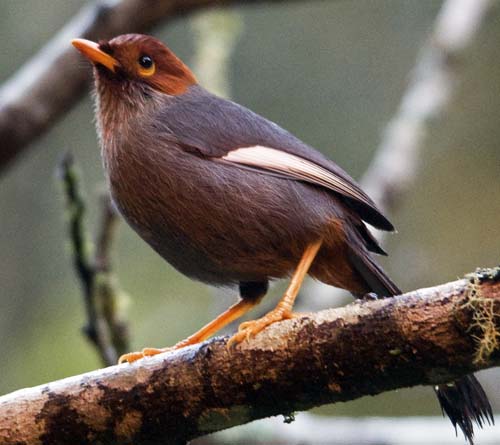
(428, 336)
(484, 327)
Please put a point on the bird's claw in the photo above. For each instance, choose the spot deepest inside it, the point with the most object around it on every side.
(146, 352)
(249, 329)
(370, 296)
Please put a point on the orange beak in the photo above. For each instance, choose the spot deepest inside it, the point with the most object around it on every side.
(92, 52)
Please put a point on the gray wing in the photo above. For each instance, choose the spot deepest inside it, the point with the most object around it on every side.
(219, 129)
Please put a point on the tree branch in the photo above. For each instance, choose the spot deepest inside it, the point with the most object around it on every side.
(106, 326)
(53, 80)
(429, 336)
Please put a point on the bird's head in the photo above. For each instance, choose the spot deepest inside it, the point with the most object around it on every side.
(141, 62)
(134, 73)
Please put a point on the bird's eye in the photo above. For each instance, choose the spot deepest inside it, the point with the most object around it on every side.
(147, 66)
(146, 62)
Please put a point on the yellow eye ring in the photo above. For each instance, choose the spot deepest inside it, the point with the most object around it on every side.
(146, 66)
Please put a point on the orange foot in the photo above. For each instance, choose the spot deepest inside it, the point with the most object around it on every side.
(251, 328)
(146, 352)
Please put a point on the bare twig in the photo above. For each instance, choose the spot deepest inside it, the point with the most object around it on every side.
(105, 327)
(429, 337)
(52, 81)
(108, 226)
(81, 256)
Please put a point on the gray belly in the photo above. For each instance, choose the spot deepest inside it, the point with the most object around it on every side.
(219, 223)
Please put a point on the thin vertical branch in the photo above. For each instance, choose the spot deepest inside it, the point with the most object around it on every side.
(107, 228)
(75, 207)
(111, 297)
(106, 328)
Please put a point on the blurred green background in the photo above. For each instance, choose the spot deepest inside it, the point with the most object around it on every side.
(331, 72)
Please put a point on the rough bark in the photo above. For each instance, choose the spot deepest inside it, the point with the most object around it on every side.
(428, 336)
(53, 80)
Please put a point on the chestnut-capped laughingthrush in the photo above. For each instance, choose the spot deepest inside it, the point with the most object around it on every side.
(229, 198)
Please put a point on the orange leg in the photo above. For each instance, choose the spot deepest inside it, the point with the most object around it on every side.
(283, 309)
(231, 314)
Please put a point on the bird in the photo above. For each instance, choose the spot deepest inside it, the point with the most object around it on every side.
(229, 198)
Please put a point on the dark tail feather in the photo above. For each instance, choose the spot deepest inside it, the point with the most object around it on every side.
(463, 401)
(376, 279)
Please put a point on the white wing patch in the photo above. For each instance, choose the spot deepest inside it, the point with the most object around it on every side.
(291, 165)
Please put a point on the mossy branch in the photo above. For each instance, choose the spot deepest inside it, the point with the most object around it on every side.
(429, 336)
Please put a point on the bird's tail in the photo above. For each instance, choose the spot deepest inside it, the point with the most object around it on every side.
(463, 401)
(376, 279)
